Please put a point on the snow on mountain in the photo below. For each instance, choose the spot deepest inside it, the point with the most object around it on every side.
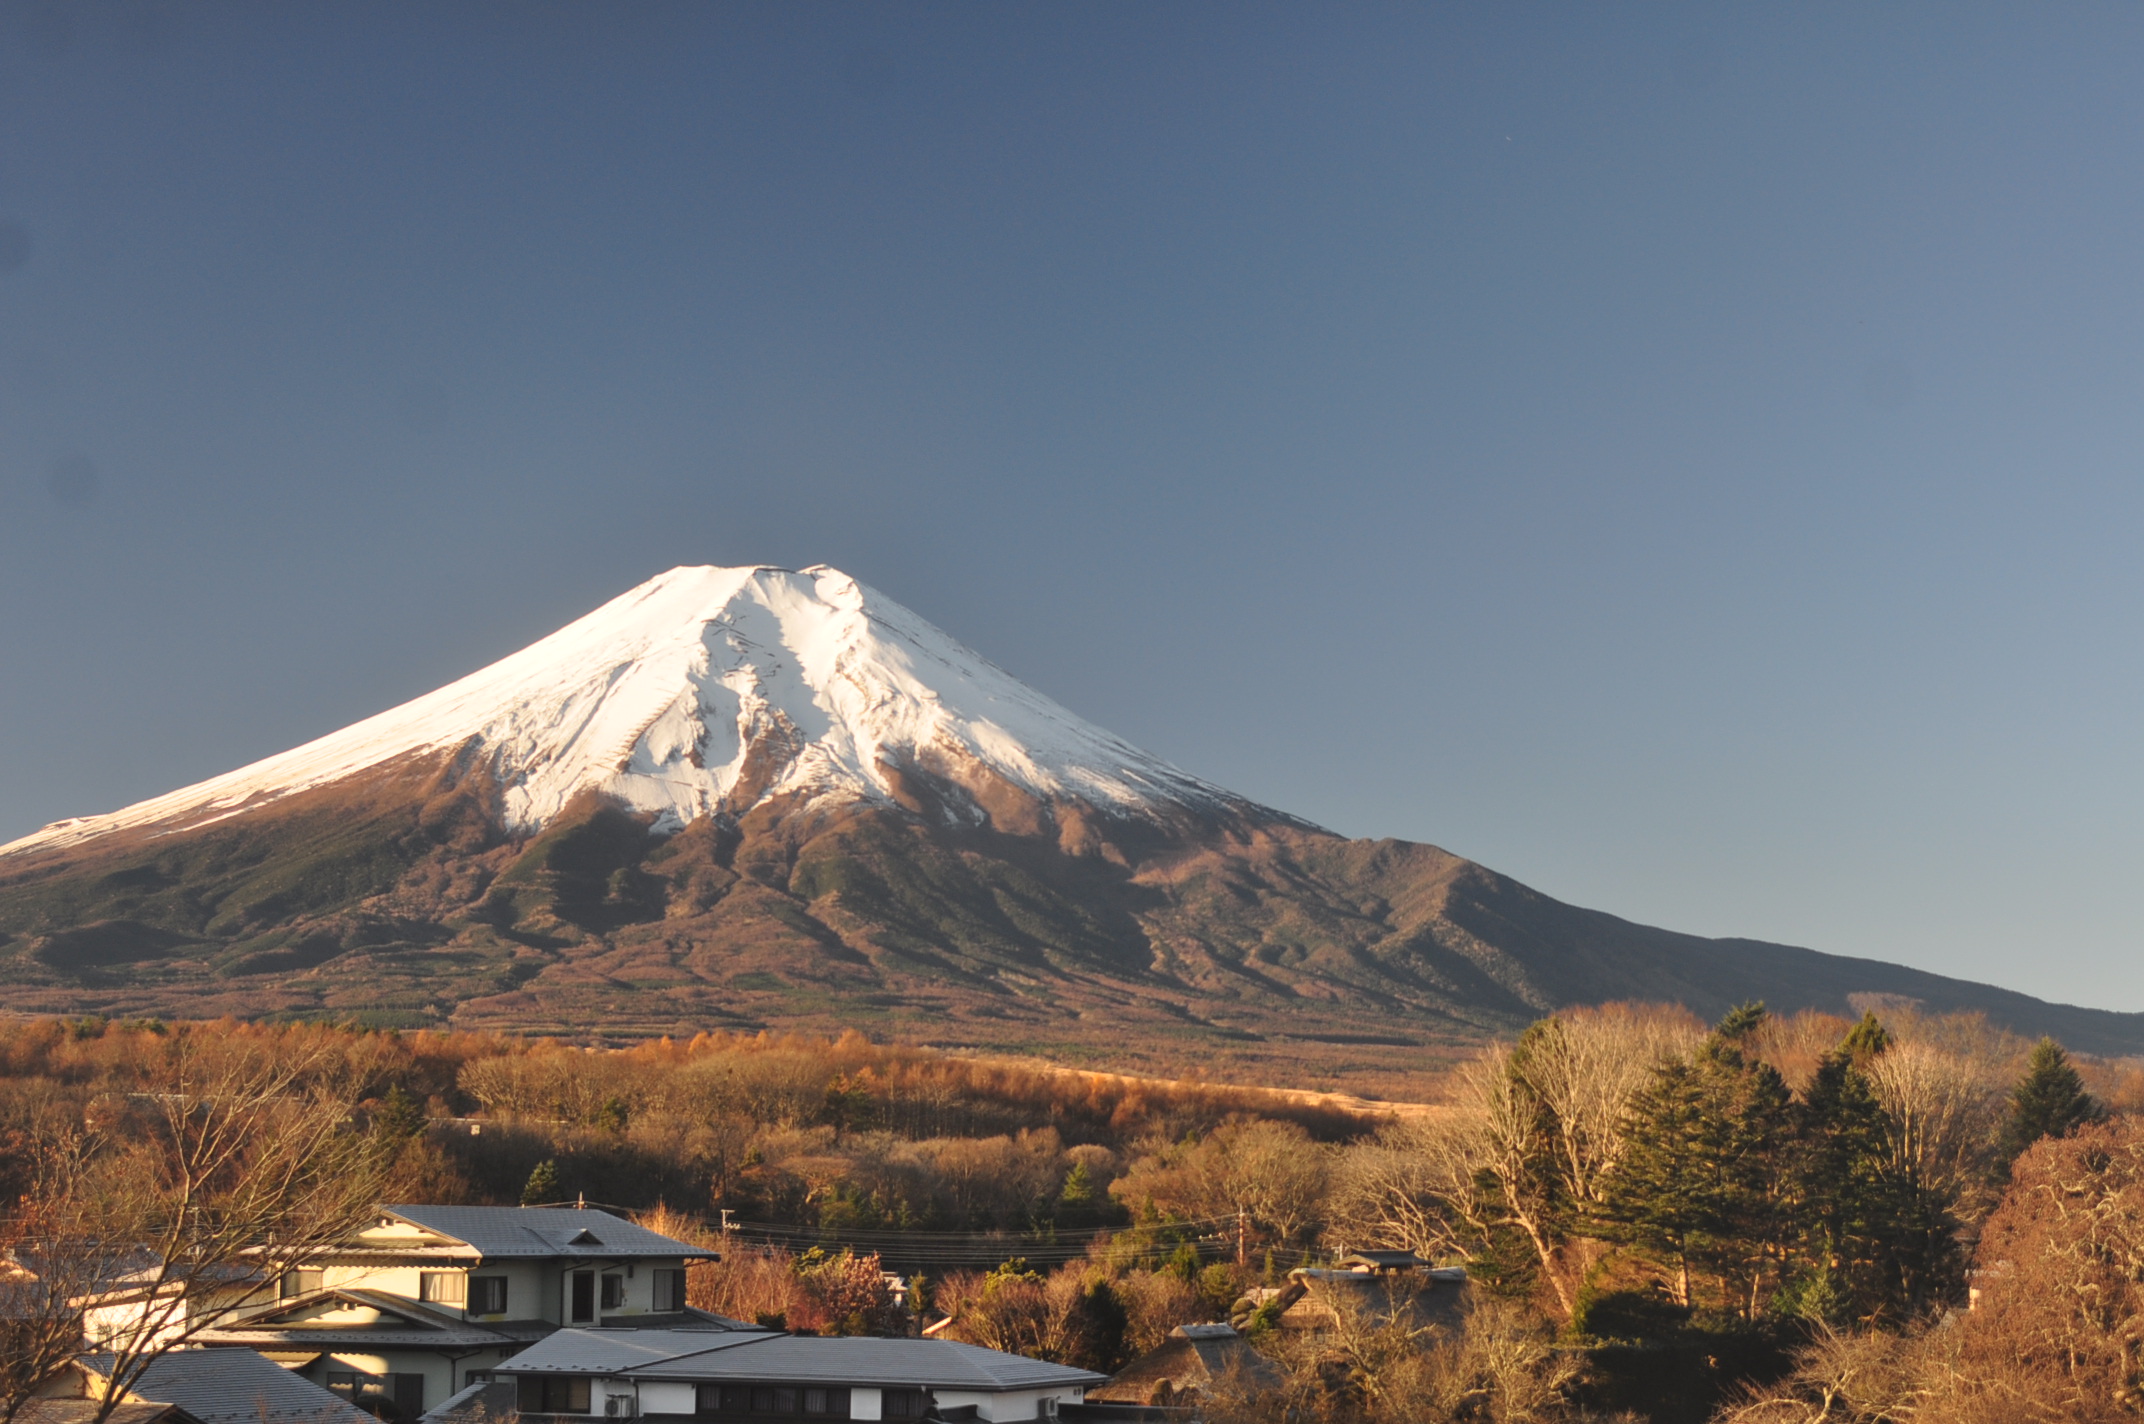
(699, 684)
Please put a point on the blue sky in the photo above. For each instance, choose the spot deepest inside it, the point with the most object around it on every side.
(1685, 457)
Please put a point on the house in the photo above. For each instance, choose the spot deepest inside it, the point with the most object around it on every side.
(429, 1299)
(765, 1377)
(1194, 1363)
(201, 1386)
(163, 1303)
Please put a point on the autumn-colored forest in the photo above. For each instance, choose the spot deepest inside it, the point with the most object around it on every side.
(1760, 1220)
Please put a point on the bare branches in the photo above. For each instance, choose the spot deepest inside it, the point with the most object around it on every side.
(173, 1209)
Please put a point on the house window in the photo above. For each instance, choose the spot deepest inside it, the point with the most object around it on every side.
(406, 1391)
(583, 1306)
(544, 1394)
(613, 1292)
(442, 1287)
(301, 1280)
(669, 1290)
(487, 1295)
(901, 1403)
(732, 1400)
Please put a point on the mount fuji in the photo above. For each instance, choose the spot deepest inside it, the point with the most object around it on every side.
(749, 798)
(704, 692)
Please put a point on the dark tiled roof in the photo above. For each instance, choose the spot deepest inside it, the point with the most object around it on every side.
(225, 1386)
(82, 1411)
(487, 1402)
(503, 1231)
(677, 1355)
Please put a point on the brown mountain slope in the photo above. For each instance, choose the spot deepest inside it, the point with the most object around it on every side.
(1227, 943)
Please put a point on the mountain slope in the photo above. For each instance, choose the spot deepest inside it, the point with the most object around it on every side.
(754, 798)
(702, 692)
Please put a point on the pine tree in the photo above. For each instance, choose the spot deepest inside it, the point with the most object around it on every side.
(1874, 1242)
(1080, 1201)
(1865, 1040)
(1841, 1192)
(2050, 1101)
(400, 1116)
(542, 1184)
(1700, 1184)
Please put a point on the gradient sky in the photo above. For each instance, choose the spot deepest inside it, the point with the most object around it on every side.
(1685, 457)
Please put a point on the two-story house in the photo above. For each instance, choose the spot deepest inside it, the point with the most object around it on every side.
(766, 1377)
(427, 1299)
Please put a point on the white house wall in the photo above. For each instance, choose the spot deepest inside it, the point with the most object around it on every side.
(864, 1404)
(664, 1397)
(535, 1290)
(999, 1406)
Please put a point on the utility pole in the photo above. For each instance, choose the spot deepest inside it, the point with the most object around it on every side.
(1243, 1237)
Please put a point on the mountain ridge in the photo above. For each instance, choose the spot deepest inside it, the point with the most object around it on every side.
(901, 862)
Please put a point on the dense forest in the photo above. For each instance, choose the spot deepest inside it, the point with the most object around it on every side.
(1767, 1219)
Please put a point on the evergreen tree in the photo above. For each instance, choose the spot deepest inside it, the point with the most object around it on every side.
(1079, 1201)
(1843, 1197)
(1865, 1040)
(542, 1185)
(1706, 1147)
(400, 1116)
(2050, 1101)
(1874, 1241)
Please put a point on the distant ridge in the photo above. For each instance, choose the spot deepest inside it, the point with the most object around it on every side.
(757, 797)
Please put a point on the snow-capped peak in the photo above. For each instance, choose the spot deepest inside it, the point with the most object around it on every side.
(661, 697)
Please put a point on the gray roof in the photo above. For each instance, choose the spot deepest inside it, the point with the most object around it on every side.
(225, 1386)
(483, 1401)
(413, 1326)
(541, 1231)
(83, 1411)
(788, 1359)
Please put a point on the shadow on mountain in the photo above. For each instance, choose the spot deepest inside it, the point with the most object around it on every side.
(970, 915)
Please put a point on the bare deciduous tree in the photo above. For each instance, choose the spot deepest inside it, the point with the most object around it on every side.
(182, 1205)
(1944, 1112)
(45, 1277)
(1271, 1172)
(1583, 1067)
(1409, 1187)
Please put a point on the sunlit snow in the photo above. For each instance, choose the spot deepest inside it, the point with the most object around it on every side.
(657, 697)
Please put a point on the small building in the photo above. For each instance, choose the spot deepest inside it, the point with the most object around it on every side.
(1377, 1283)
(430, 1299)
(1192, 1365)
(765, 1377)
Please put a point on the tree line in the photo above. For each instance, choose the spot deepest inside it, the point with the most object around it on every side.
(1780, 1203)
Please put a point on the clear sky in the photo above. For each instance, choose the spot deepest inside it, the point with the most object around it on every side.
(1687, 458)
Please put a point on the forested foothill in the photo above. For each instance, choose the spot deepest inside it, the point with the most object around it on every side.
(1767, 1219)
